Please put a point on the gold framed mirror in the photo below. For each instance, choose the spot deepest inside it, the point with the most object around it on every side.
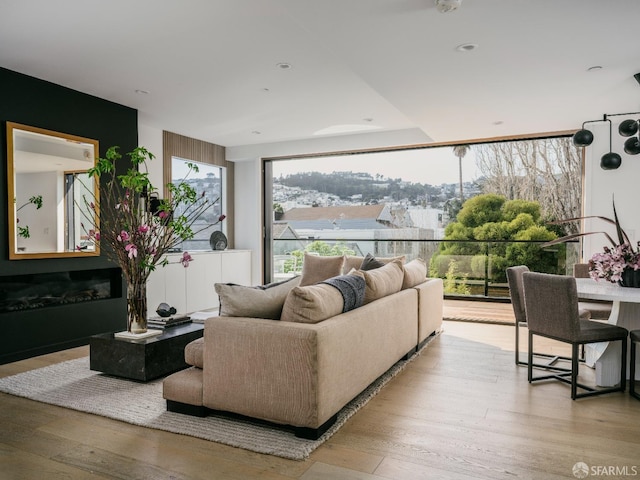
(50, 193)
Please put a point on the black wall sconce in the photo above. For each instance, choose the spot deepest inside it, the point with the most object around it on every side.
(628, 128)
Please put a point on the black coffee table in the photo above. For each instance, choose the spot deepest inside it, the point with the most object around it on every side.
(143, 359)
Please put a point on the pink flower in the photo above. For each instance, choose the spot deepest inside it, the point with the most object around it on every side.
(163, 214)
(143, 229)
(98, 236)
(186, 258)
(612, 263)
(132, 249)
(123, 236)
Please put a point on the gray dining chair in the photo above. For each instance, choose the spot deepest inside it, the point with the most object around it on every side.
(599, 309)
(551, 306)
(516, 292)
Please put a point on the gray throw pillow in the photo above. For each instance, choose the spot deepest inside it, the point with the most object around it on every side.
(371, 263)
(263, 301)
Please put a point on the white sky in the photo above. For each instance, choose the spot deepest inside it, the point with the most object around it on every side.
(179, 169)
(433, 166)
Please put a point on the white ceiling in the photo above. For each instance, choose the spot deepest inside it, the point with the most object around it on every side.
(210, 66)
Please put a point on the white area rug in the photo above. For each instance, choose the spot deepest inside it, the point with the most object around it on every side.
(72, 385)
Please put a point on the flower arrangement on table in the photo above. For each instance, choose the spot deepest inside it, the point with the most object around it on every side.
(616, 264)
(137, 238)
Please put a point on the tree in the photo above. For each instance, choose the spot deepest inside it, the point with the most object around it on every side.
(547, 171)
(323, 249)
(508, 225)
(460, 151)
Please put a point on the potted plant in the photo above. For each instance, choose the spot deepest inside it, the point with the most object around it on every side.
(619, 263)
(136, 238)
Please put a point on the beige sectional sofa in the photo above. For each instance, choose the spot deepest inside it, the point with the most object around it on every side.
(298, 373)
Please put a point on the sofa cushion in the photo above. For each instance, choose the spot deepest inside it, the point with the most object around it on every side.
(415, 272)
(316, 268)
(193, 353)
(382, 281)
(184, 386)
(258, 302)
(312, 303)
(351, 262)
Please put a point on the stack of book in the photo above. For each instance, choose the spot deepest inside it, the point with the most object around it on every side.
(167, 322)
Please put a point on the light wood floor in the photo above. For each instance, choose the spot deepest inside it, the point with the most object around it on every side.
(462, 410)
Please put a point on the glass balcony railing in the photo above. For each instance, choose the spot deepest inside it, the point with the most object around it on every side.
(468, 268)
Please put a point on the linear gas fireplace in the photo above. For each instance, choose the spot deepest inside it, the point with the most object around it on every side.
(39, 290)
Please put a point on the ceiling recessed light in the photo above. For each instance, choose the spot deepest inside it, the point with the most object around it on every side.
(142, 92)
(467, 47)
(283, 65)
(595, 68)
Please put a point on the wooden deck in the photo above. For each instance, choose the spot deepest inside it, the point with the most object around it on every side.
(477, 311)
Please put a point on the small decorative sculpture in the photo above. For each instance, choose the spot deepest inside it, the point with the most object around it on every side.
(164, 310)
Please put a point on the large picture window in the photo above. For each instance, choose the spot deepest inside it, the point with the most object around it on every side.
(209, 180)
(468, 210)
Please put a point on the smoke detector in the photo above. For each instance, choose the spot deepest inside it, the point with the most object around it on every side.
(446, 6)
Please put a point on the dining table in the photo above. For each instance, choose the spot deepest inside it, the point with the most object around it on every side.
(625, 312)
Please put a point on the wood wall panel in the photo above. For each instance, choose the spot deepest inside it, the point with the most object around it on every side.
(174, 145)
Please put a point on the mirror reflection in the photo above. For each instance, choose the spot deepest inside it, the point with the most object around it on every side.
(50, 189)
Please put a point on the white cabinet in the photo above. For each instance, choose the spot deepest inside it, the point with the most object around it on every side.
(191, 289)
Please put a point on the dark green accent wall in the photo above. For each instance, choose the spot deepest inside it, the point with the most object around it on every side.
(35, 102)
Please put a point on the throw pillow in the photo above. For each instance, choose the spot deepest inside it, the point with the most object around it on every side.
(351, 287)
(415, 272)
(257, 302)
(351, 262)
(316, 268)
(382, 281)
(312, 304)
(370, 262)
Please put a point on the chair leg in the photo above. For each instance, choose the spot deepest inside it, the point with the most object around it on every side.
(552, 359)
(530, 358)
(632, 372)
(591, 391)
(574, 370)
(517, 343)
(570, 377)
(623, 368)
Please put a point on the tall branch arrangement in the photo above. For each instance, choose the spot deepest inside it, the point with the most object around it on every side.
(138, 239)
(612, 263)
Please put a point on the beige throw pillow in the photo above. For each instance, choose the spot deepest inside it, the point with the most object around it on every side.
(312, 304)
(316, 268)
(255, 302)
(415, 272)
(382, 281)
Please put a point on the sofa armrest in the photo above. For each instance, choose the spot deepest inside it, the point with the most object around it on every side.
(256, 366)
(430, 307)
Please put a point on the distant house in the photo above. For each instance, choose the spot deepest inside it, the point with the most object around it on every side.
(346, 217)
(287, 240)
(364, 228)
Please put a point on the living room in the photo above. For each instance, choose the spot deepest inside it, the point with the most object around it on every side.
(284, 63)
